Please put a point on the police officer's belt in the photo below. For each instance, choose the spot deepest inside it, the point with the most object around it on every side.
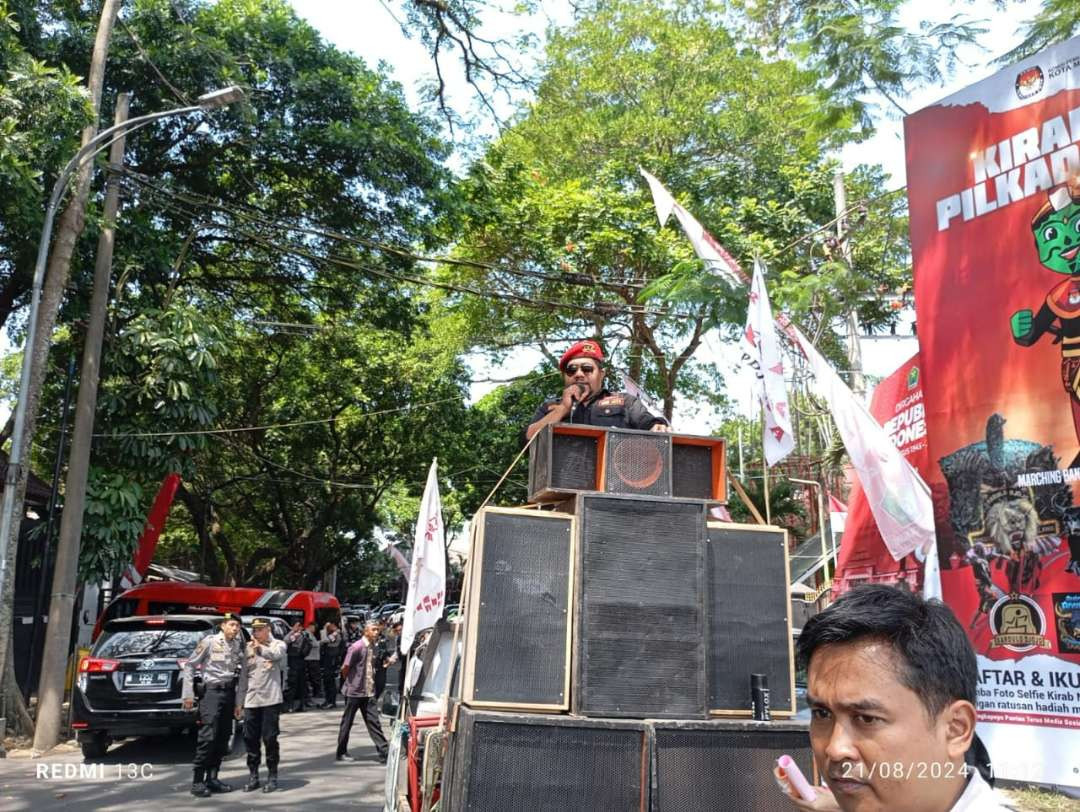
(220, 686)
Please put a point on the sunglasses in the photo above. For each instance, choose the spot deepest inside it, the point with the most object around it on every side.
(588, 369)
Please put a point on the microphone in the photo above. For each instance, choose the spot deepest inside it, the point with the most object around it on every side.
(574, 401)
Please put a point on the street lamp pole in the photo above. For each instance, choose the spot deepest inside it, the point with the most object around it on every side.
(8, 508)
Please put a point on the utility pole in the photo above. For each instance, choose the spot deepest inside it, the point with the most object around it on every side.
(38, 628)
(858, 382)
(50, 284)
(54, 660)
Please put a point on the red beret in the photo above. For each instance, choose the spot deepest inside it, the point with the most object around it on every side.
(583, 349)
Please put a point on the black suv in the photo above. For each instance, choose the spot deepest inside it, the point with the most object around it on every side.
(129, 685)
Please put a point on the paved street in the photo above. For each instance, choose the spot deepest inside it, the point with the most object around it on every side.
(160, 770)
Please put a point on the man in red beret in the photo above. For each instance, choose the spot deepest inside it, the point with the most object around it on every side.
(584, 399)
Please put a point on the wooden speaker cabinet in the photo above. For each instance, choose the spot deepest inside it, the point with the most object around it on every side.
(520, 610)
(725, 764)
(566, 459)
(507, 762)
(749, 617)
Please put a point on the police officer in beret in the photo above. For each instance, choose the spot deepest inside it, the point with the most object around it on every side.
(585, 400)
(219, 659)
(262, 703)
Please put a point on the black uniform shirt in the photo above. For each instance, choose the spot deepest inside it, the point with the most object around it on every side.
(613, 410)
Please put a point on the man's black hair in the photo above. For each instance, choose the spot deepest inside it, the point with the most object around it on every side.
(936, 660)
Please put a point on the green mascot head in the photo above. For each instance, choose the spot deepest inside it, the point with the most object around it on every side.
(1057, 230)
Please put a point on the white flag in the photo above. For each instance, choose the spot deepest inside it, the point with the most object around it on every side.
(761, 350)
(897, 495)
(715, 257)
(631, 387)
(427, 576)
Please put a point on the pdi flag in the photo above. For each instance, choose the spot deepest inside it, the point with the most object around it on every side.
(761, 351)
(715, 257)
(898, 497)
(427, 575)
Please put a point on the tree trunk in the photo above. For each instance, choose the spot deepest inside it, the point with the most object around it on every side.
(69, 227)
(62, 603)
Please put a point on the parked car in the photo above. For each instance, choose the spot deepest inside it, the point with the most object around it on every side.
(387, 609)
(130, 683)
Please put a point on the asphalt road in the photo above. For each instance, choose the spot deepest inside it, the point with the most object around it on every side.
(136, 773)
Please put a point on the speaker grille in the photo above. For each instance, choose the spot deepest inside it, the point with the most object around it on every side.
(640, 644)
(554, 768)
(523, 610)
(695, 769)
(573, 464)
(638, 464)
(748, 616)
(691, 471)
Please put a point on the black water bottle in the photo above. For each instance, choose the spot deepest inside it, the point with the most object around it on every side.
(759, 697)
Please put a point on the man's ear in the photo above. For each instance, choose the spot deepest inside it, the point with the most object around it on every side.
(958, 720)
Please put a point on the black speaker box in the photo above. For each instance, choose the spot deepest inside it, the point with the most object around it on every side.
(517, 647)
(639, 649)
(749, 617)
(725, 765)
(500, 762)
(568, 458)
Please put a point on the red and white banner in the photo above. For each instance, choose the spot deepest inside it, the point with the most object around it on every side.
(715, 257)
(897, 404)
(399, 559)
(427, 575)
(898, 497)
(761, 351)
(995, 236)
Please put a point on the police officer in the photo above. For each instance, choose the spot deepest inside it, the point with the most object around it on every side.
(220, 660)
(585, 400)
(262, 703)
(297, 648)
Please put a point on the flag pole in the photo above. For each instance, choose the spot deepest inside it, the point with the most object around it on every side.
(765, 469)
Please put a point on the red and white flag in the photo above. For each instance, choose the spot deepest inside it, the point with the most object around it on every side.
(712, 253)
(898, 497)
(837, 514)
(761, 351)
(427, 575)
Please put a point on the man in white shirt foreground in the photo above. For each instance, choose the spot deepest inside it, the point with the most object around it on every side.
(891, 687)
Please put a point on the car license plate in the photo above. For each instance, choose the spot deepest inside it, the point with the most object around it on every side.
(147, 679)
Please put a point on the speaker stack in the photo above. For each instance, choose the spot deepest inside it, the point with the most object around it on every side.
(609, 642)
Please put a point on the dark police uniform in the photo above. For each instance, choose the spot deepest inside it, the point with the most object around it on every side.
(616, 410)
(224, 683)
(298, 646)
(262, 706)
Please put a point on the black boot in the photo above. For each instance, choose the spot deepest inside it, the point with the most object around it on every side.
(271, 781)
(198, 783)
(253, 782)
(213, 784)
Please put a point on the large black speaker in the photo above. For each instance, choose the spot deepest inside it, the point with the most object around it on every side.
(749, 617)
(500, 762)
(566, 459)
(517, 652)
(724, 765)
(640, 644)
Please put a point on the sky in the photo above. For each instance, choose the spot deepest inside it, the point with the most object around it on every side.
(369, 30)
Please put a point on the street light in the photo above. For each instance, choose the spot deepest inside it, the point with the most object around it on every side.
(207, 101)
(821, 523)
